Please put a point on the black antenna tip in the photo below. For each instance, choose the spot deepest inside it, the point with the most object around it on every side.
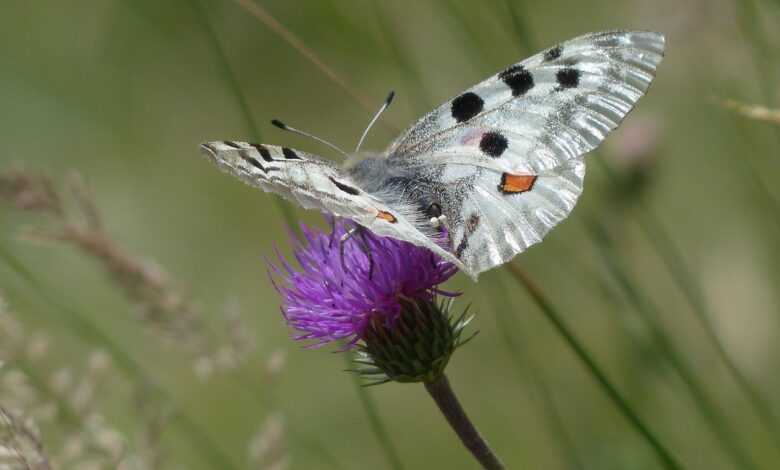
(390, 97)
(279, 124)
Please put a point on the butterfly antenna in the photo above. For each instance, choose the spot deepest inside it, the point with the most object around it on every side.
(285, 127)
(387, 102)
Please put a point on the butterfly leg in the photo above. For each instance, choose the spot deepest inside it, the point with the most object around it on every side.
(332, 223)
(342, 241)
(363, 243)
(366, 249)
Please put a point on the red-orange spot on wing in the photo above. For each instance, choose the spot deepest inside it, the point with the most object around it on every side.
(384, 215)
(516, 183)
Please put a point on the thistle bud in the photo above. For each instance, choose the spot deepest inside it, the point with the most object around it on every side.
(416, 347)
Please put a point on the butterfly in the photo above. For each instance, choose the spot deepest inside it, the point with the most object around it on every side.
(485, 175)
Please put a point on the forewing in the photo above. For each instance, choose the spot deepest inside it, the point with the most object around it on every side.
(295, 175)
(315, 183)
(509, 150)
(543, 111)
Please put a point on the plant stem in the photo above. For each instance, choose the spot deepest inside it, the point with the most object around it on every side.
(672, 257)
(241, 99)
(649, 314)
(441, 392)
(528, 368)
(374, 419)
(296, 43)
(612, 392)
(414, 84)
(517, 14)
(90, 333)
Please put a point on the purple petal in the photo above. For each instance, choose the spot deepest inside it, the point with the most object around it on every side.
(325, 301)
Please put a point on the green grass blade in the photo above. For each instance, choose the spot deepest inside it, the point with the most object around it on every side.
(674, 262)
(762, 193)
(649, 314)
(296, 43)
(241, 100)
(471, 39)
(375, 420)
(284, 208)
(88, 332)
(517, 16)
(410, 73)
(311, 444)
(525, 364)
(666, 458)
(749, 19)
(673, 259)
(42, 386)
(269, 401)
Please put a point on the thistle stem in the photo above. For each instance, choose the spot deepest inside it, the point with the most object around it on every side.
(442, 393)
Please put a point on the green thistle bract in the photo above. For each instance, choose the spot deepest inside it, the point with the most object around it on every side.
(416, 347)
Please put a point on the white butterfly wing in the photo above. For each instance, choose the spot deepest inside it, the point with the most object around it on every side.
(295, 175)
(501, 162)
(495, 226)
(552, 107)
(509, 149)
(315, 183)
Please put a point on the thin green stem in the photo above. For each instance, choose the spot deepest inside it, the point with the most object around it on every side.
(749, 19)
(757, 185)
(520, 26)
(64, 410)
(765, 60)
(296, 43)
(649, 314)
(674, 261)
(527, 367)
(516, 16)
(671, 257)
(90, 333)
(246, 113)
(284, 207)
(445, 398)
(310, 444)
(410, 73)
(470, 39)
(375, 420)
(240, 97)
(612, 392)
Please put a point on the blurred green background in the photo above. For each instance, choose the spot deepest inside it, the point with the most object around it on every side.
(124, 91)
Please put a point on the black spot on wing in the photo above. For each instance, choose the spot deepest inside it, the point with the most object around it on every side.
(208, 146)
(568, 78)
(518, 79)
(471, 226)
(345, 187)
(263, 152)
(493, 144)
(464, 243)
(472, 223)
(466, 106)
(232, 144)
(290, 154)
(251, 160)
(554, 53)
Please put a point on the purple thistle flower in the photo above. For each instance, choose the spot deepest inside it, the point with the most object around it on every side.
(327, 300)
